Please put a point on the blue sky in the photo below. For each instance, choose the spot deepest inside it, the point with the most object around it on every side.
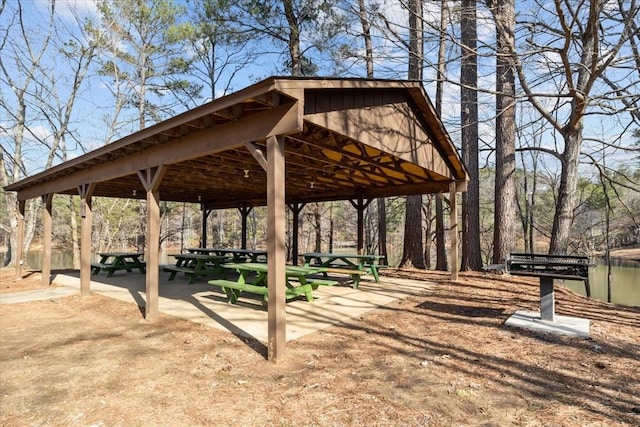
(95, 102)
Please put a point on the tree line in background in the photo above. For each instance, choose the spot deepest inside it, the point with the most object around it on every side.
(542, 100)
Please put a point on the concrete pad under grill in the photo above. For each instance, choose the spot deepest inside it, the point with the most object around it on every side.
(566, 325)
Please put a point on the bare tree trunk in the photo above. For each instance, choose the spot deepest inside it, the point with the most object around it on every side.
(428, 208)
(317, 218)
(382, 231)
(331, 228)
(441, 249)
(412, 253)
(75, 238)
(11, 202)
(21, 85)
(294, 39)
(366, 35)
(471, 254)
(505, 201)
(567, 194)
(585, 52)
(382, 211)
(31, 216)
(531, 204)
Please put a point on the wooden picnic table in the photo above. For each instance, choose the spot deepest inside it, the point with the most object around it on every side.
(252, 278)
(114, 261)
(194, 265)
(239, 255)
(353, 264)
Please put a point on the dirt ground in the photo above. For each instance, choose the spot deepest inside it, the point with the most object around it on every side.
(442, 358)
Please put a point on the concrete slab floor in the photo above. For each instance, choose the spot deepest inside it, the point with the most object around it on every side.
(566, 325)
(38, 295)
(202, 303)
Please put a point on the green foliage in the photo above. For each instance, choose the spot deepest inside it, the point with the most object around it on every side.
(308, 68)
(146, 55)
(299, 30)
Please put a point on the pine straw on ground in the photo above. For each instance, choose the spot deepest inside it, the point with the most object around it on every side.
(440, 358)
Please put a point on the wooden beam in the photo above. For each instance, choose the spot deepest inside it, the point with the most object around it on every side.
(168, 126)
(257, 154)
(151, 178)
(295, 208)
(279, 120)
(244, 213)
(47, 235)
(205, 215)
(276, 248)
(393, 129)
(348, 161)
(86, 213)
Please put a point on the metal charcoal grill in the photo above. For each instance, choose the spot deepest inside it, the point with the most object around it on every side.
(549, 267)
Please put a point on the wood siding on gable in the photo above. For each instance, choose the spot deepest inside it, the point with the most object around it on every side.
(381, 119)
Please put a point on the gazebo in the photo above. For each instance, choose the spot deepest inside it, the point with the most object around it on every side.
(283, 141)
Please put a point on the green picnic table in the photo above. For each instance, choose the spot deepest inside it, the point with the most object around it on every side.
(239, 255)
(353, 264)
(194, 265)
(114, 261)
(252, 278)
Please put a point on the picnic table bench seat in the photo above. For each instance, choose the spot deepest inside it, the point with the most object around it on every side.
(355, 275)
(97, 266)
(355, 265)
(100, 265)
(379, 266)
(192, 272)
(321, 282)
(233, 289)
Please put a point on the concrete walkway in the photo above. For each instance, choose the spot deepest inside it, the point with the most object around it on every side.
(38, 295)
(202, 303)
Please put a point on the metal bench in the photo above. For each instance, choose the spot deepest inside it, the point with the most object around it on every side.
(549, 267)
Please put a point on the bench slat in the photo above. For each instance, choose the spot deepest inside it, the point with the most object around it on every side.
(321, 282)
(233, 289)
(353, 273)
(111, 268)
(178, 269)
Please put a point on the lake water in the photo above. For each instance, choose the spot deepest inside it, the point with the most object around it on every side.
(625, 276)
(625, 282)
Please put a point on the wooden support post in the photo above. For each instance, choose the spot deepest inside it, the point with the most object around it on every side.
(547, 299)
(276, 248)
(295, 208)
(20, 238)
(360, 227)
(244, 212)
(151, 178)
(453, 230)
(205, 215)
(86, 212)
(47, 233)
(382, 231)
(360, 204)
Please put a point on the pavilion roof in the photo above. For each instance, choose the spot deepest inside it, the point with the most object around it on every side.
(344, 139)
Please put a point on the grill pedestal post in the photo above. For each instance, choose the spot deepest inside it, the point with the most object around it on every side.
(547, 299)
